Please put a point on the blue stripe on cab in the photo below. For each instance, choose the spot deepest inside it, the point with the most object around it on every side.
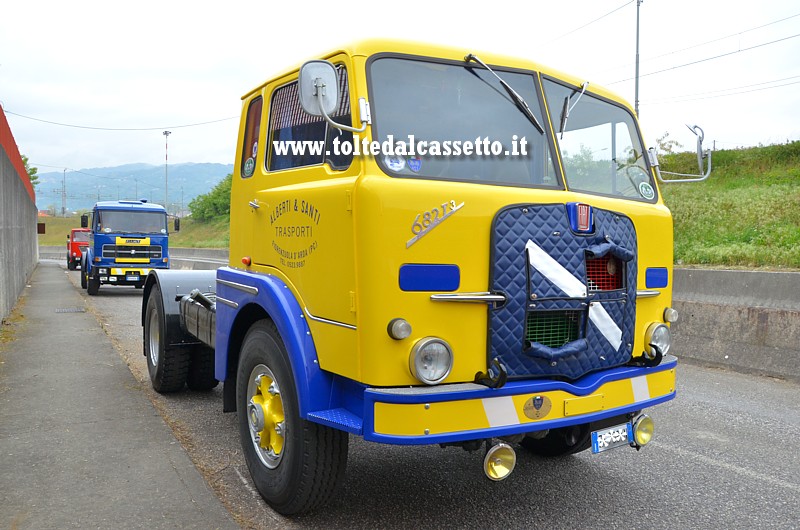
(656, 277)
(429, 277)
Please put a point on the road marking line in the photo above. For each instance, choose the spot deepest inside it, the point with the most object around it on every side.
(730, 467)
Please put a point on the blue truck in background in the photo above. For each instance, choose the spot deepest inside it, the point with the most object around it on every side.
(128, 239)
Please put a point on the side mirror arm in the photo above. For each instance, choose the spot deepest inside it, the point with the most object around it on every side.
(701, 155)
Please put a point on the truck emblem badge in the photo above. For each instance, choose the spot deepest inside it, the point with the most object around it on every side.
(580, 217)
(584, 213)
(426, 221)
(537, 407)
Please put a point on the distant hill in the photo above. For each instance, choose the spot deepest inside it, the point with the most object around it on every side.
(130, 181)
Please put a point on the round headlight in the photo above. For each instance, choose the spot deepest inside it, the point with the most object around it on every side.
(643, 429)
(431, 360)
(657, 334)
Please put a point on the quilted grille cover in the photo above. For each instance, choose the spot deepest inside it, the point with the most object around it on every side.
(522, 232)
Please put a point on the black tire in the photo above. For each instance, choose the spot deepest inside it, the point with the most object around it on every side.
(308, 460)
(92, 286)
(560, 442)
(84, 281)
(70, 264)
(200, 376)
(168, 367)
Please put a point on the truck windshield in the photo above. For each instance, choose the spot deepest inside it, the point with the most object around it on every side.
(80, 237)
(600, 145)
(118, 221)
(455, 121)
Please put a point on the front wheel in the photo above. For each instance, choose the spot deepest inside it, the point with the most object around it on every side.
(296, 465)
(167, 366)
(92, 286)
(84, 274)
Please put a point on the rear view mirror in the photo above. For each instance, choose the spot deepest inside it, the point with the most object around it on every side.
(177, 224)
(84, 221)
(318, 88)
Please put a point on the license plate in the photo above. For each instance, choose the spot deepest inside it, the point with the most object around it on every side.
(133, 278)
(616, 436)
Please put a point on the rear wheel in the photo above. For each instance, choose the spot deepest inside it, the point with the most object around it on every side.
(168, 367)
(296, 465)
(559, 442)
(200, 376)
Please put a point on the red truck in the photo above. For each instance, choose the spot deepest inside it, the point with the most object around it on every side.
(76, 239)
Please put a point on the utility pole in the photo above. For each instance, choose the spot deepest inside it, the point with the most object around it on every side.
(636, 96)
(64, 194)
(166, 166)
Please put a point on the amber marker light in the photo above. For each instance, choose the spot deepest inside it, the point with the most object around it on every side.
(247, 261)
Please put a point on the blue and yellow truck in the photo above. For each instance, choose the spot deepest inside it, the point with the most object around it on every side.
(127, 239)
(429, 246)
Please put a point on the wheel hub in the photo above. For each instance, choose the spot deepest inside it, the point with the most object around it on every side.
(266, 417)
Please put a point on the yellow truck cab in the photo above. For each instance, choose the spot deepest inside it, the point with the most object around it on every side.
(428, 245)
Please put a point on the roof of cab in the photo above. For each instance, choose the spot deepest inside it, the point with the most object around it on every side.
(370, 47)
(129, 205)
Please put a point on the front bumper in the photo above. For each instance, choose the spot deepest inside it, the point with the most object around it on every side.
(124, 276)
(461, 412)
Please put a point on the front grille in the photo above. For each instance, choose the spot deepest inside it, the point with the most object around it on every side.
(553, 328)
(605, 273)
(127, 251)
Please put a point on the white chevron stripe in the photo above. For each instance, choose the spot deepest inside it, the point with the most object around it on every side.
(554, 271)
(500, 411)
(574, 288)
(641, 390)
(605, 324)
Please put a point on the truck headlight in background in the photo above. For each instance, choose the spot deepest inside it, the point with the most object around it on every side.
(431, 360)
(658, 335)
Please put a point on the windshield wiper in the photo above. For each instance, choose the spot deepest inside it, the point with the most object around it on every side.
(567, 109)
(518, 100)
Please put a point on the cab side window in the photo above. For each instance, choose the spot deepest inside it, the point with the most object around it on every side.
(297, 139)
(250, 144)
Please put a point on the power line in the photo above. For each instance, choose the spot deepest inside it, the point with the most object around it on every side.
(677, 100)
(592, 22)
(118, 128)
(707, 59)
(742, 32)
(671, 98)
(723, 38)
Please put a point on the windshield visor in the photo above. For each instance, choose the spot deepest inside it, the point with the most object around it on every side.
(456, 122)
(601, 149)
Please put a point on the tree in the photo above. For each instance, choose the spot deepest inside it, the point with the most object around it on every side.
(667, 146)
(32, 172)
(214, 204)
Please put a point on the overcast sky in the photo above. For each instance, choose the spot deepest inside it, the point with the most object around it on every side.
(730, 67)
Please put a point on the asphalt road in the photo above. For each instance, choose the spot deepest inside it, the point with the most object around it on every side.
(726, 454)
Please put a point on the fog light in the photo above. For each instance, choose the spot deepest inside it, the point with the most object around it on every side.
(643, 430)
(399, 329)
(499, 462)
(431, 360)
(658, 335)
(670, 315)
